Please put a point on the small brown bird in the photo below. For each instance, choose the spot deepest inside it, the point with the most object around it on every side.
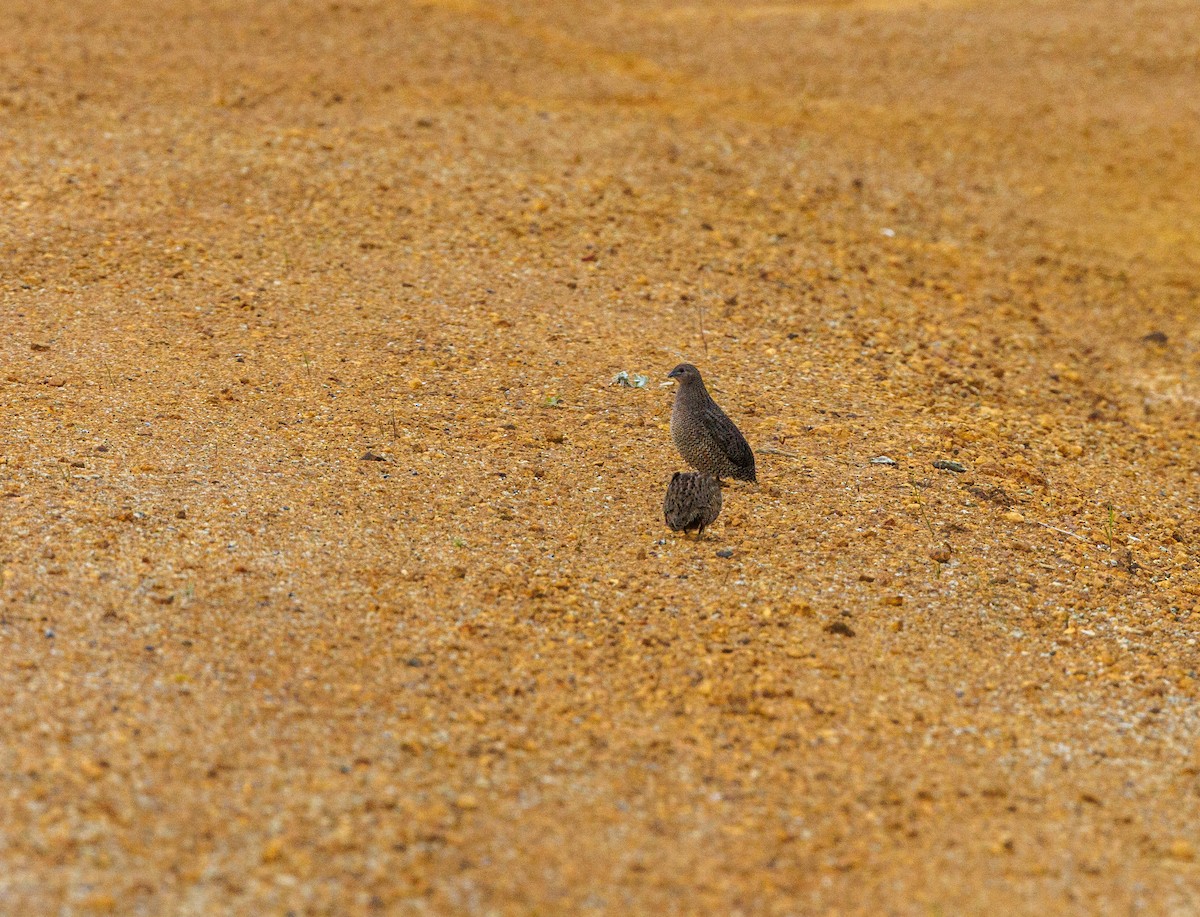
(693, 501)
(706, 438)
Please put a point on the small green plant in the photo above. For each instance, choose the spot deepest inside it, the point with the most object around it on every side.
(458, 542)
(552, 401)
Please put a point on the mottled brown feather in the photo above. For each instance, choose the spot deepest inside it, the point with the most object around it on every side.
(704, 435)
(693, 502)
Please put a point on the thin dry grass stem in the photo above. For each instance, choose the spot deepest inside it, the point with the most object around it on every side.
(933, 541)
(112, 382)
(921, 512)
(1052, 528)
(984, 584)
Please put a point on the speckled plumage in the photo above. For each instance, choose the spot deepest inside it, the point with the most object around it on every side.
(706, 438)
(693, 502)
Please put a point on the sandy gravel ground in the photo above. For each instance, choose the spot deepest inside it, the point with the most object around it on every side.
(245, 670)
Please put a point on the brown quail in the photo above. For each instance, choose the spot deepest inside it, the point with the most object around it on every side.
(707, 439)
(693, 502)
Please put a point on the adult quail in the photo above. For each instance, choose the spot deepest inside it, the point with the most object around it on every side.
(693, 501)
(706, 438)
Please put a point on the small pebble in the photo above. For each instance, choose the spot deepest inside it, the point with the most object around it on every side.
(725, 552)
(944, 465)
(1182, 850)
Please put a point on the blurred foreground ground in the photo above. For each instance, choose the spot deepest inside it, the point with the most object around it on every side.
(243, 670)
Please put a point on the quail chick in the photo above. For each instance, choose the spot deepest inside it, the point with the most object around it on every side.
(693, 502)
(706, 438)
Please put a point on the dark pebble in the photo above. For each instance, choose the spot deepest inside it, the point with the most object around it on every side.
(725, 552)
(841, 628)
